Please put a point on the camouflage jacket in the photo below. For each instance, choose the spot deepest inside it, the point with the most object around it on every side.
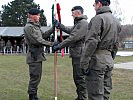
(2, 43)
(77, 33)
(8, 44)
(35, 39)
(102, 34)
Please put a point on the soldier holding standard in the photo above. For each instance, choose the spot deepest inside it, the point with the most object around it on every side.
(75, 41)
(35, 39)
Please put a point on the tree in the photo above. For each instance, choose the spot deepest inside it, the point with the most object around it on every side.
(117, 11)
(126, 33)
(43, 19)
(15, 13)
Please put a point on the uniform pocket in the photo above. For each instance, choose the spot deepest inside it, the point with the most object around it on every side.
(101, 62)
(35, 69)
(29, 59)
(95, 85)
(75, 51)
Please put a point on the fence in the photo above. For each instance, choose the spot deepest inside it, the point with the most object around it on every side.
(23, 50)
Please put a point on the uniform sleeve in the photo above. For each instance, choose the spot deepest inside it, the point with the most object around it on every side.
(77, 34)
(36, 36)
(47, 33)
(65, 29)
(114, 50)
(91, 41)
(116, 45)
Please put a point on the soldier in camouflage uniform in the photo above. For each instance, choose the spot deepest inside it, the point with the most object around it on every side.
(35, 39)
(8, 47)
(101, 44)
(2, 46)
(75, 42)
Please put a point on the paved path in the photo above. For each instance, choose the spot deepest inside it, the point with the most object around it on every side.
(124, 53)
(128, 65)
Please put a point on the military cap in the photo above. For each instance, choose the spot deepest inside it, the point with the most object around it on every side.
(34, 11)
(78, 8)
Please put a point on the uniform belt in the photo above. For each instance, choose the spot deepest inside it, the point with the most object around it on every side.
(76, 45)
(103, 51)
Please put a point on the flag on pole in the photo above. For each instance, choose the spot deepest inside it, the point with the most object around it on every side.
(59, 18)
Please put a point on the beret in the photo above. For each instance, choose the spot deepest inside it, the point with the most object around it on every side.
(104, 1)
(77, 8)
(34, 11)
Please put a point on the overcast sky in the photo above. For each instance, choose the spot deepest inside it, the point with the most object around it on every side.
(66, 6)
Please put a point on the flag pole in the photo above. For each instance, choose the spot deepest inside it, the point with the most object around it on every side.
(55, 76)
(55, 53)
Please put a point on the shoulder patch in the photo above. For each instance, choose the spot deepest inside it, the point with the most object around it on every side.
(78, 26)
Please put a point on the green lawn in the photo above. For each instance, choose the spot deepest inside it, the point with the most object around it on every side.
(14, 79)
(121, 59)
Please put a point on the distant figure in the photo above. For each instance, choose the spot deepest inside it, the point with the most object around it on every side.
(8, 46)
(47, 49)
(2, 45)
(23, 46)
(15, 46)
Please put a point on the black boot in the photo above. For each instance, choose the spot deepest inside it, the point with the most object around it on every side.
(33, 97)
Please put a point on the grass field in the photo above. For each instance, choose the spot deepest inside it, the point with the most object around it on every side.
(14, 79)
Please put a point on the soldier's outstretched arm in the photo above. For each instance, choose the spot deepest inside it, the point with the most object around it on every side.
(65, 29)
(47, 33)
(36, 37)
(58, 25)
(77, 34)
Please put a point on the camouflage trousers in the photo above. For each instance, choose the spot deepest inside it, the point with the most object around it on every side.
(35, 72)
(99, 84)
(79, 79)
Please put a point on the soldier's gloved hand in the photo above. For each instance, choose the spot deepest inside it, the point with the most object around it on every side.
(85, 71)
(56, 46)
(55, 43)
(56, 23)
